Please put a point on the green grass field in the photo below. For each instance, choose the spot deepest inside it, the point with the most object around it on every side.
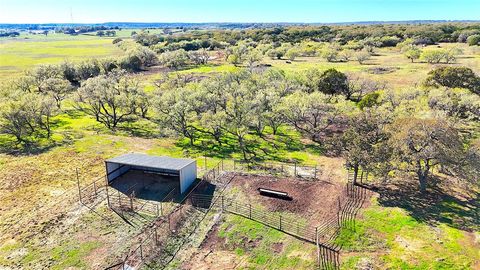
(20, 54)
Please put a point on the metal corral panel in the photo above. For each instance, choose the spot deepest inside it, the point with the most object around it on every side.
(185, 169)
(187, 176)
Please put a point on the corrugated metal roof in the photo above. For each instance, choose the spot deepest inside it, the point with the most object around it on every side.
(161, 162)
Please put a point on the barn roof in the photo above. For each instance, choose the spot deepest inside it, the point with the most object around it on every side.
(143, 160)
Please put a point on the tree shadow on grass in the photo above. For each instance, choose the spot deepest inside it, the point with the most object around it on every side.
(137, 131)
(14, 148)
(209, 148)
(433, 207)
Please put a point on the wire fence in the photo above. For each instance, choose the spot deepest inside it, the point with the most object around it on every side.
(122, 202)
(89, 193)
(323, 236)
(360, 176)
(285, 169)
(165, 236)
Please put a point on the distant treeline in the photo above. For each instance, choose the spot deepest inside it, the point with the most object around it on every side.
(52, 26)
(9, 33)
(383, 35)
(84, 29)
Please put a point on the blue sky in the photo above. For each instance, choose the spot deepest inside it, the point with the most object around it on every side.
(97, 11)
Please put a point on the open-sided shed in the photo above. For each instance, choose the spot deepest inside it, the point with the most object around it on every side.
(185, 170)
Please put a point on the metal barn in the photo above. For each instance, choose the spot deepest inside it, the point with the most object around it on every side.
(185, 170)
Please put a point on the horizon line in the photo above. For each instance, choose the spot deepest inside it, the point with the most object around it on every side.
(240, 22)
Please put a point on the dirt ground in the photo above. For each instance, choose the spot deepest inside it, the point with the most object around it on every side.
(313, 200)
(146, 186)
(212, 254)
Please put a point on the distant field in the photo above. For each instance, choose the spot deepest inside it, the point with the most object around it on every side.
(18, 54)
(388, 66)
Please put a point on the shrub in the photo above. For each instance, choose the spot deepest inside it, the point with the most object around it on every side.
(175, 60)
(473, 40)
(333, 82)
(131, 63)
(369, 100)
(117, 40)
(362, 56)
(454, 77)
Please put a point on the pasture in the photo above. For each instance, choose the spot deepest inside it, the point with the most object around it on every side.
(18, 55)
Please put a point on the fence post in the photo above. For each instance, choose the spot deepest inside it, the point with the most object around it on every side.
(338, 213)
(119, 200)
(108, 197)
(223, 204)
(234, 165)
(169, 228)
(95, 187)
(280, 222)
(141, 252)
(315, 173)
(131, 203)
(318, 246)
(295, 169)
(78, 184)
(158, 210)
(156, 237)
(250, 211)
(205, 161)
